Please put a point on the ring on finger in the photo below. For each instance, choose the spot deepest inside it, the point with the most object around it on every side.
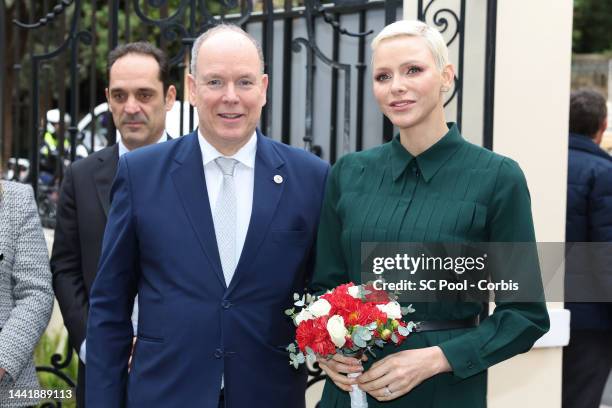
(388, 392)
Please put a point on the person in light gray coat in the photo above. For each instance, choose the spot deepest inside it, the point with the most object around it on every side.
(26, 294)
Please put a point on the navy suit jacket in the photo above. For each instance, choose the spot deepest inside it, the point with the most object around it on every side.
(160, 243)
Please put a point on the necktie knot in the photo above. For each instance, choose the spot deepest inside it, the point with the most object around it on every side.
(226, 165)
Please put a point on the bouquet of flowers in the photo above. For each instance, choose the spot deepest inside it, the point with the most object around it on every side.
(350, 320)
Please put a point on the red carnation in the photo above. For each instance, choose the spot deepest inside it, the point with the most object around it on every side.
(341, 303)
(365, 314)
(313, 333)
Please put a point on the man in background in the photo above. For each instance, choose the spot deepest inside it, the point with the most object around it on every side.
(587, 360)
(139, 94)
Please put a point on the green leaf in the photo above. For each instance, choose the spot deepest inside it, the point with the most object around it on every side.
(290, 312)
(291, 348)
(404, 331)
(296, 296)
(300, 358)
(394, 338)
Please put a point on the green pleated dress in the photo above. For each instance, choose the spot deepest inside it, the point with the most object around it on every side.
(453, 192)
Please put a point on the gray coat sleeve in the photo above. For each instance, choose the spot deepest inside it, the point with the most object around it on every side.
(31, 290)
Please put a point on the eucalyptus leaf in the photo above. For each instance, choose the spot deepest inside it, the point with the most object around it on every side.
(290, 312)
(359, 341)
(404, 331)
(394, 338)
(296, 296)
(300, 358)
(291, 348)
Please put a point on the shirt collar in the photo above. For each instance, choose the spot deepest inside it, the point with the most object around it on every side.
(431, 160)
(123, 148)
(246, 154)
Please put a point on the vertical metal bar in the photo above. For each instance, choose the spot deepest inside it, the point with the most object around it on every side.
(17, 104)
(74, 95)
(268, 51)
(46, 92)
(127, 21)
(33, 119)
(113, 40)
(420, 11)
(333, 119)
(310, 67)
(390, 17)
(163, 13)
(461, 29)
(92, 74)
(61, 75)
(3, 70)
(35, 134)
(361, 67)
(287, 58)
(489, 98)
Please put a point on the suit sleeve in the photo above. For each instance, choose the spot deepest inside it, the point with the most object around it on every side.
(68, 280)
(514, 326)
(330, 266)
(32, 291)
(109, 329)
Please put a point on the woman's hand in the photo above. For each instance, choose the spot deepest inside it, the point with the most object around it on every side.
(337, 368)
(398, 373)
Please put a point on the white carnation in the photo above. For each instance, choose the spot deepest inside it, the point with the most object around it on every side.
(354, 291)
(393, 310)
(319, 308)
(336, 330)
(303, 316)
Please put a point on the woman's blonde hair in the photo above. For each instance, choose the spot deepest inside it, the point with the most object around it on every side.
(434, 40)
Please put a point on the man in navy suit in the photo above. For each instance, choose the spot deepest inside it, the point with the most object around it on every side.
(215, 232)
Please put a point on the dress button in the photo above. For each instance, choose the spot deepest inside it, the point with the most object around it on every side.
(218, 353)
(226, 304)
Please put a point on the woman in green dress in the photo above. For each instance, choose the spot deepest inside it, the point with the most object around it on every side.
(426, 185)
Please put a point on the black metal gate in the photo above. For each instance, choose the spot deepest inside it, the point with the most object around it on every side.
(316, 55)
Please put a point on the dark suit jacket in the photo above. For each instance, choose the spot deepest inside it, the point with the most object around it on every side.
(192, 328)
(81, 219)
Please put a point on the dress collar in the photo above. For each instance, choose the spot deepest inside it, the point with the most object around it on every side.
(431, 160)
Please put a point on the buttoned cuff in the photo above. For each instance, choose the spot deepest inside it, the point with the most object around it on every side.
(462, 357)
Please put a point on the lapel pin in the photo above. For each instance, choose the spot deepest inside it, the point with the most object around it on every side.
(278, 179)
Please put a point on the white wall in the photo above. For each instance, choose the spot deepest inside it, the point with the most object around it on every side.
(533, 62)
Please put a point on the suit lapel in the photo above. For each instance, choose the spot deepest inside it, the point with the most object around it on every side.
(105, 174)
(190, 183)
(266, 196)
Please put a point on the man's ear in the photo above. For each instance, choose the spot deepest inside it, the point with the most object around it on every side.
(191, 84)
(604, 125)
(170, 97)
(107, 98)
(264, 88)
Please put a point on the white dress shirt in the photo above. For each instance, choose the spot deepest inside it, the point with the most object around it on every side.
(244, 176)
(83, 349)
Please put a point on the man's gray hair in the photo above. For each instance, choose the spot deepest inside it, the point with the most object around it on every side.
(195, 50)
